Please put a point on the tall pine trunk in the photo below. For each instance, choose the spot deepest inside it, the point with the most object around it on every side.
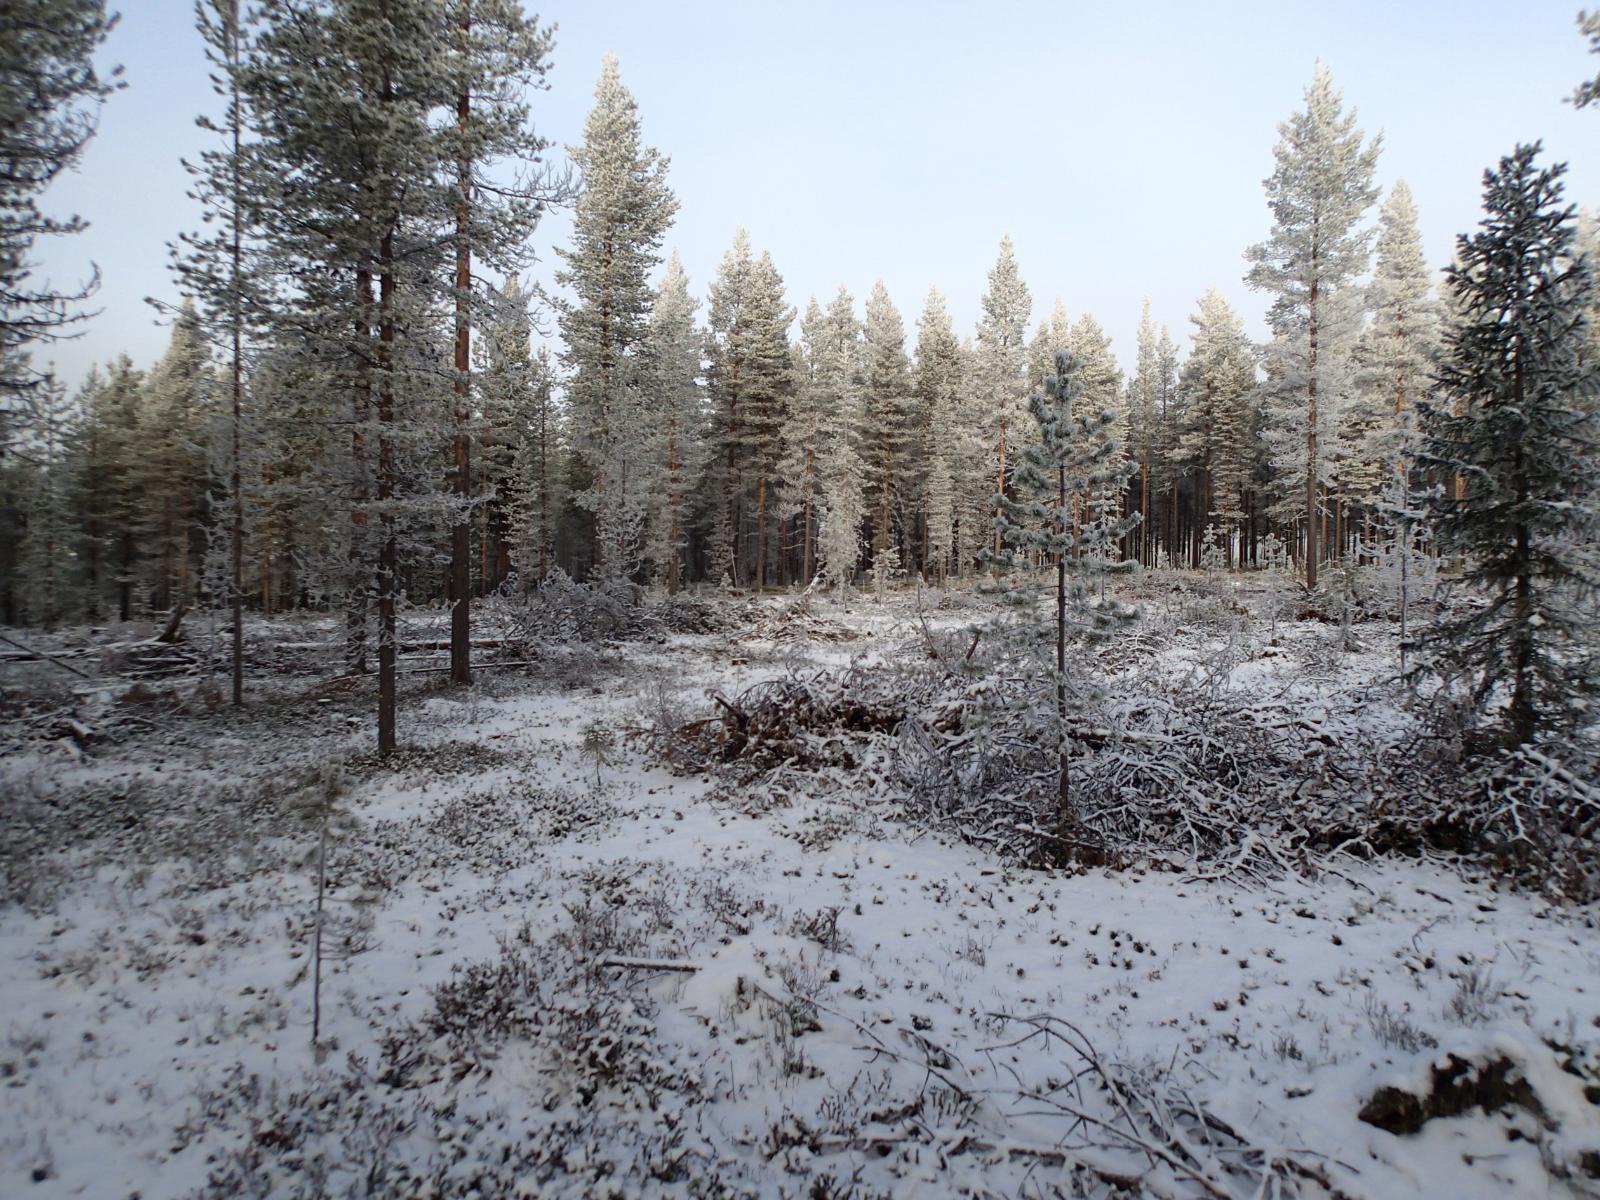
(761, 533)
(355, 643)
(674, 505)
(387, 554)
(1311, 434)
(1063, 779)
(999, 486)
(236, 475)
(461, 531)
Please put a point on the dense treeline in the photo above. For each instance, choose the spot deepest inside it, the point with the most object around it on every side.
(354, 410)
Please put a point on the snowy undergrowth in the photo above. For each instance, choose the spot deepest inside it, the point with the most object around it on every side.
(541, 984)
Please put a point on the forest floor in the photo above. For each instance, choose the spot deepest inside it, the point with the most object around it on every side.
(555, 967)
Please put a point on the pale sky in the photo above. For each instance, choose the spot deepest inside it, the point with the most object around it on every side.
(1121, 145)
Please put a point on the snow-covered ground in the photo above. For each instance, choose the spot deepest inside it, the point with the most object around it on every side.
(556, 968)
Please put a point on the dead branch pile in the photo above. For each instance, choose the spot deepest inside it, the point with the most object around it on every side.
(1198, 777)
(157, 659)
(691, 612)
(1141, 1129)
(562, 612)
(794, 622)
(806, 722)
(1536, 813)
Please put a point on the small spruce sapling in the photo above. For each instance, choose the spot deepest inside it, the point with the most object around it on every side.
(324, 801)
(599, 744)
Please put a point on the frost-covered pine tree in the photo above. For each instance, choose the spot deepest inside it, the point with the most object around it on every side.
(766, 398)
(802, 432)
(38, 470)
(1589, 90)
(837, 376)
(1515, 420)
(1165, 469)
(887, 429)
(1319, 192)
(678, 418)
(999, 386)
(749, 375)
(500, 56)
(974, 467)
(622, 214)
(518, 462)
(541, 474)
(938, 388)
(1397, 354)
(1142, 431)
(172, 440)
(223, 270)
(344, 97)
(1074, 453)
(108, 487)
(1053, 334)
(1098, 372)
(728, 349)
(50, 97)
(1101, 379)
(1215, 442)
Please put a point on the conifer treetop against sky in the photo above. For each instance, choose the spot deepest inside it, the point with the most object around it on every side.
(1122, 147)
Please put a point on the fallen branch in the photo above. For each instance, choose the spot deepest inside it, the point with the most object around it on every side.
(42, 655)
(651, 964)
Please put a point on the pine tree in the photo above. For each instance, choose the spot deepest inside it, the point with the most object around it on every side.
(50, 98)
(1398, 348)
(749, 374)
(815, 358)
(540, 471)
(1396, 356)
(728, 351)
(678, 417)
(887, 423)
(172, 441)
(1515, 419)
(1074, 454)
(1052, 335)
(344, 94)
(503, 382)
(767, 397)
(839, 375)
(500, 55)
(220, 268)
(1143, 389)
(110, 485)
(1320, 190)
(1000, 387)
(41, 471)
(1101, 380)
(1165, 468)
(1218, 380)
(1589, 90)
(938, 392)
(974, 463)
(622, 215)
